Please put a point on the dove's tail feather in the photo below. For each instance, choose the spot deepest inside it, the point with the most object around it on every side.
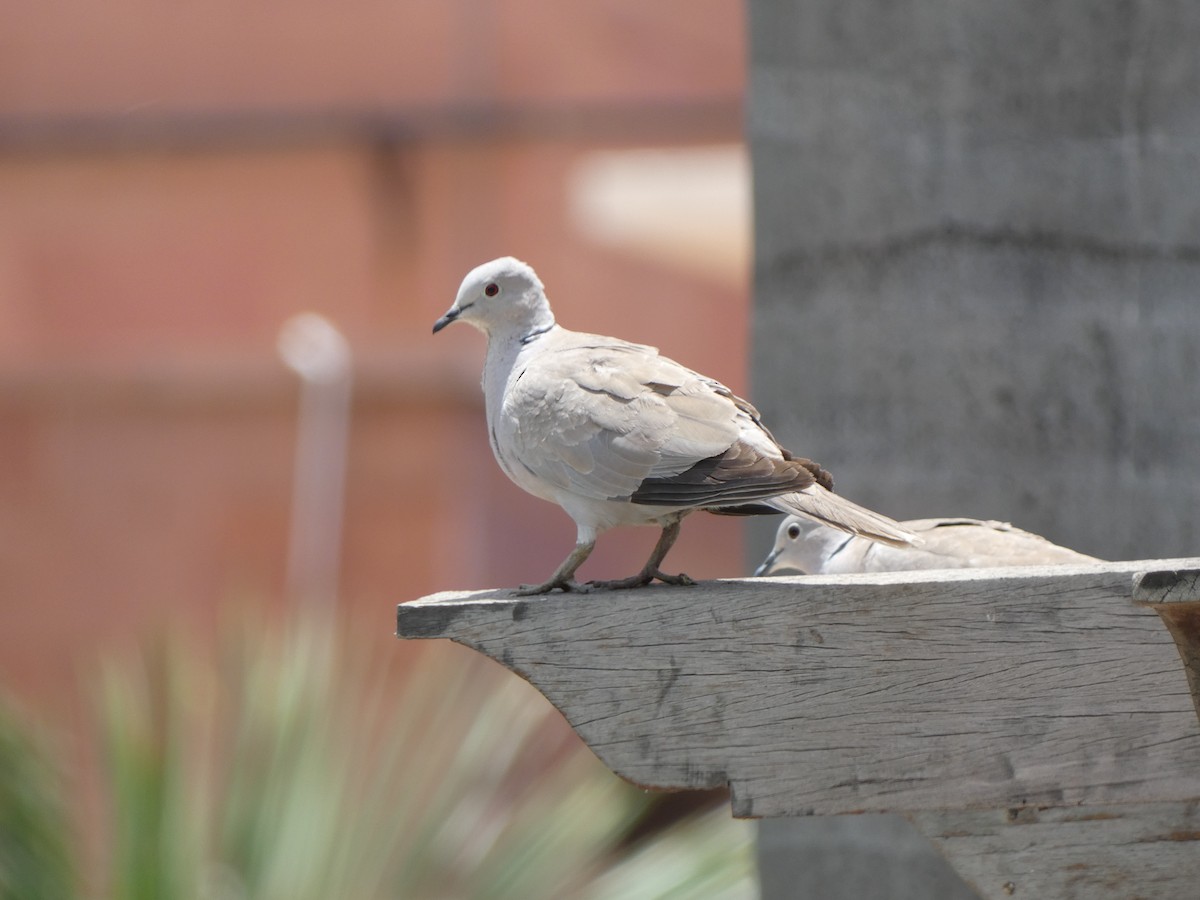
(837, 512)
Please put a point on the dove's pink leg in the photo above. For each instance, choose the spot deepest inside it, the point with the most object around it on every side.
(650, 571)
(563, 577)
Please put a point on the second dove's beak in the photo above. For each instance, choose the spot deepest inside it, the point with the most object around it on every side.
(446, 319)
(765, 567)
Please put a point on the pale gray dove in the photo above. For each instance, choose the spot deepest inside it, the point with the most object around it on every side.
(616, 434)
(810, 548)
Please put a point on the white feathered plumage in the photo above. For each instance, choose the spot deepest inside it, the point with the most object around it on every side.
(617, 434)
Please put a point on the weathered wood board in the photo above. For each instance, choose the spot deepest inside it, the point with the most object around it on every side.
(985, 688)
(1148, 851)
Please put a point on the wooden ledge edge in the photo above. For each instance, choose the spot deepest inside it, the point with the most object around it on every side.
(432, 616)
(1167, 581)
(1167, 586)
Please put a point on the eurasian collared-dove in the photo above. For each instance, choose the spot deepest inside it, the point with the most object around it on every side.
(810, 548)
(617, 435)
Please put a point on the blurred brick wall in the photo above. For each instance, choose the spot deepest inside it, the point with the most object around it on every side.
(176, 180)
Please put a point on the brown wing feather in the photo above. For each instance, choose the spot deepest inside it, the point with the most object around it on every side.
(737, 477)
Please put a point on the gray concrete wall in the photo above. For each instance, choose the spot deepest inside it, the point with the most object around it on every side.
(852, 858)
(977, 277)
(977, 289)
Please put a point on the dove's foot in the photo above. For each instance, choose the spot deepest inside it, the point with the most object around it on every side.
(641, 579)
(563, 577)
(566, 585)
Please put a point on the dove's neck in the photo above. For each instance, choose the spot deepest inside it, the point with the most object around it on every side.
(521, 323)
(508, 351)
(821, 548)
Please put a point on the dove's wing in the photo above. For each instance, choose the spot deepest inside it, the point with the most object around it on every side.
(608, 420)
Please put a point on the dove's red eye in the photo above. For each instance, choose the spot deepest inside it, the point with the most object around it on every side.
(492, 289)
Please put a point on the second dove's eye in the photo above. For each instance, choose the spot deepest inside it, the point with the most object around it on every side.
(492, 289)
(793, 531)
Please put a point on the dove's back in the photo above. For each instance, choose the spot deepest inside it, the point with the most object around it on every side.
(577, 415)
(946, 543)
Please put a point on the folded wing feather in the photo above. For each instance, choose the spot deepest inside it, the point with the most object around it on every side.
(601, 420)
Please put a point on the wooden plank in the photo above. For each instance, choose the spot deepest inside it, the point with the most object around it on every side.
(1148, 851)
(831, 694)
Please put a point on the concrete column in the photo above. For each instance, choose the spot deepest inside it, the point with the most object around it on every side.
(977, 290)
(977, 276)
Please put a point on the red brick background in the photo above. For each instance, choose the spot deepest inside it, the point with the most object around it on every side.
(176, 180)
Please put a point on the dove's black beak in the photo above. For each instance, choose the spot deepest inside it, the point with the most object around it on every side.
(445, 320)
(450, 316)
(765, 567)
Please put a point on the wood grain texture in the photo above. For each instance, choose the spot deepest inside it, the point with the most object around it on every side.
(986, 688)
(1147, 851)
(1167, 586)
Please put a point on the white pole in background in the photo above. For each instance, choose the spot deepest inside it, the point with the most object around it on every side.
(316, 351)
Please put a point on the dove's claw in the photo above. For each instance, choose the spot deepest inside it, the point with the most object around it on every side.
(567, 586)
(641, 579)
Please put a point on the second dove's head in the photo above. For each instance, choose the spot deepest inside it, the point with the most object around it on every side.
(504, 295)
(801, 545)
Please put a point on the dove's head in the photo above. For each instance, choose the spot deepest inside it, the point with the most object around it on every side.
(802, 546)
(503, 296)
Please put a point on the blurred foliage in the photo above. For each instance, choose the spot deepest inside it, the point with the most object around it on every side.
(704, 857)
(296, 765)
(293, 763)
(35, 857)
